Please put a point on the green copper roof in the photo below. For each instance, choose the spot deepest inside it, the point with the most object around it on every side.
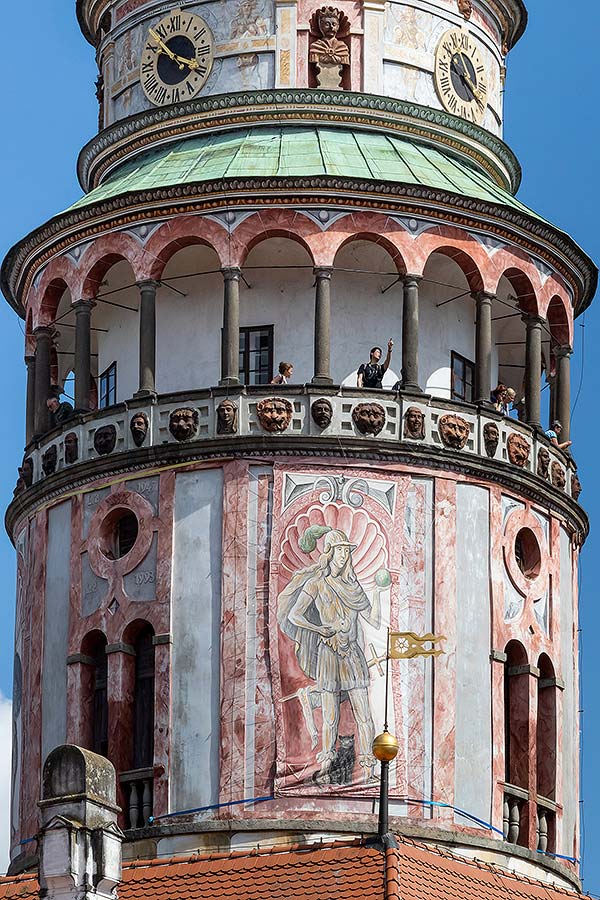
(302, 152)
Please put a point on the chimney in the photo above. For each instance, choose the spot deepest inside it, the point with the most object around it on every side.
(79, 841)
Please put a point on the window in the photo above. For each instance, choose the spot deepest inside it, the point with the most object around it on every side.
(143, 701)
(256, 355)
(108, 386)
(463, 378)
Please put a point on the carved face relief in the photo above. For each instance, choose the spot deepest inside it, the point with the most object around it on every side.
(227, 416)
(518, 449)
(183, 423)
(491, 438)
(322, 412)
(559, 478)
(329, 22)
(543, 464)
(71, 447)
(414, 424)
(465, 8)
(139, 428)
(454, 431)
(274, 414)
(369, 418)
(26, 471)
(49, 459)
(575, 486)
(105, 439)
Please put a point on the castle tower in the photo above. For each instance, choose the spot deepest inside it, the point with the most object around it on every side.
(208, 564)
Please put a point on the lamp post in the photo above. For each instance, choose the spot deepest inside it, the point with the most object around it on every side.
(385, 749)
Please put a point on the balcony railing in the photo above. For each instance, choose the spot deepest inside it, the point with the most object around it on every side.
(514, 801)
(138, 787)
(347, 414)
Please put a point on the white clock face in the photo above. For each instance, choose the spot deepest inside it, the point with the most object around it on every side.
(177, 58)
(460, 76)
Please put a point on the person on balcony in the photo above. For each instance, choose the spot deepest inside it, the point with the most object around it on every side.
(554, 434)
(59, 412)
(370, 375)
(286, 370)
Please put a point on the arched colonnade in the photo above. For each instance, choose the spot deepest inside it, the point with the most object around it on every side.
(541, 301)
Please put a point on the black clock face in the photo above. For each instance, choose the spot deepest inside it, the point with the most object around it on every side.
(177, 58)
(460, 76)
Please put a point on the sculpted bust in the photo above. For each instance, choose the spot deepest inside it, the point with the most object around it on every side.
(543, 463)
(139, 428)
(369, 418)
(491, 438)
(454, 431)
(559, 478)
(575, 486)
(183, 423)
(328, 52)
(227, 416)
(518, 449)
(71, 447)
(105, 439)
(322, 412)
(414, 424)
(49, 459)
(274, 414)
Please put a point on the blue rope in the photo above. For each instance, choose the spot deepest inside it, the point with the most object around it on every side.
(187, 812)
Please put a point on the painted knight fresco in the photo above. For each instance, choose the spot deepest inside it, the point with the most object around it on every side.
(337, 574)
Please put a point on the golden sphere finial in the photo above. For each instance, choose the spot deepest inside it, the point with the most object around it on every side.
(385, 747)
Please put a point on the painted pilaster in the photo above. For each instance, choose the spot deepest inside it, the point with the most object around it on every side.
(373, 45)
(286, 17)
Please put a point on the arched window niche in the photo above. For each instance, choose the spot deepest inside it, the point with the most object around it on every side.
(95, 693)
(546, 747)
(516, 744)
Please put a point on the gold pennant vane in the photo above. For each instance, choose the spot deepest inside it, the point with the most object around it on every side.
(408, 645)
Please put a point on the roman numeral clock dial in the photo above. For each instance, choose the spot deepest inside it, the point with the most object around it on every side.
(177, 58)
(460, 76)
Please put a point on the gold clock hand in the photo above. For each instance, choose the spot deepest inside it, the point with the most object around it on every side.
(190, 63)
(160, 43)
(467, 79)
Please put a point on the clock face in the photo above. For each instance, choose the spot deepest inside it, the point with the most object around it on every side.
(177, 58)
(460, 76)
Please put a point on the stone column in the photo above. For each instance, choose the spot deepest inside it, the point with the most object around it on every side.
(147, 383)
(43, 345)
(83, 352)
(30, 403)
(563, 390)
(230, 352)
(483, 347)
(410, 333)
(322, 373)
(533, 370)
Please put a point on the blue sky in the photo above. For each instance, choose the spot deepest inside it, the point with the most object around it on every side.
(552, 123)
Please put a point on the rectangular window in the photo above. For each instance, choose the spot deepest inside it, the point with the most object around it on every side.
(463, 378)
(108, 387)
(256, 355)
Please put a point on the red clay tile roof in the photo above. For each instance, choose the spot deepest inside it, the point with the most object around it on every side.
(338, 871)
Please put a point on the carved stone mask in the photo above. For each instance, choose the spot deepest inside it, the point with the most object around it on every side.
(491, 438)
(414, 424)
(26, 471)
(575, 486)
(227, 416)
(465, 8)
(454, 431)
(543, 463)
(518, 449)
(369, 418)
(183, 423)
(139, 428)
(322, 412)
(71, 447)
(559, 478)
(105, 440)
(49, 459)
(329, 22)
(274, 414)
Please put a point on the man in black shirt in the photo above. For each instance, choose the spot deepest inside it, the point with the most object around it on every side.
(59, 412)
(370, 375)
